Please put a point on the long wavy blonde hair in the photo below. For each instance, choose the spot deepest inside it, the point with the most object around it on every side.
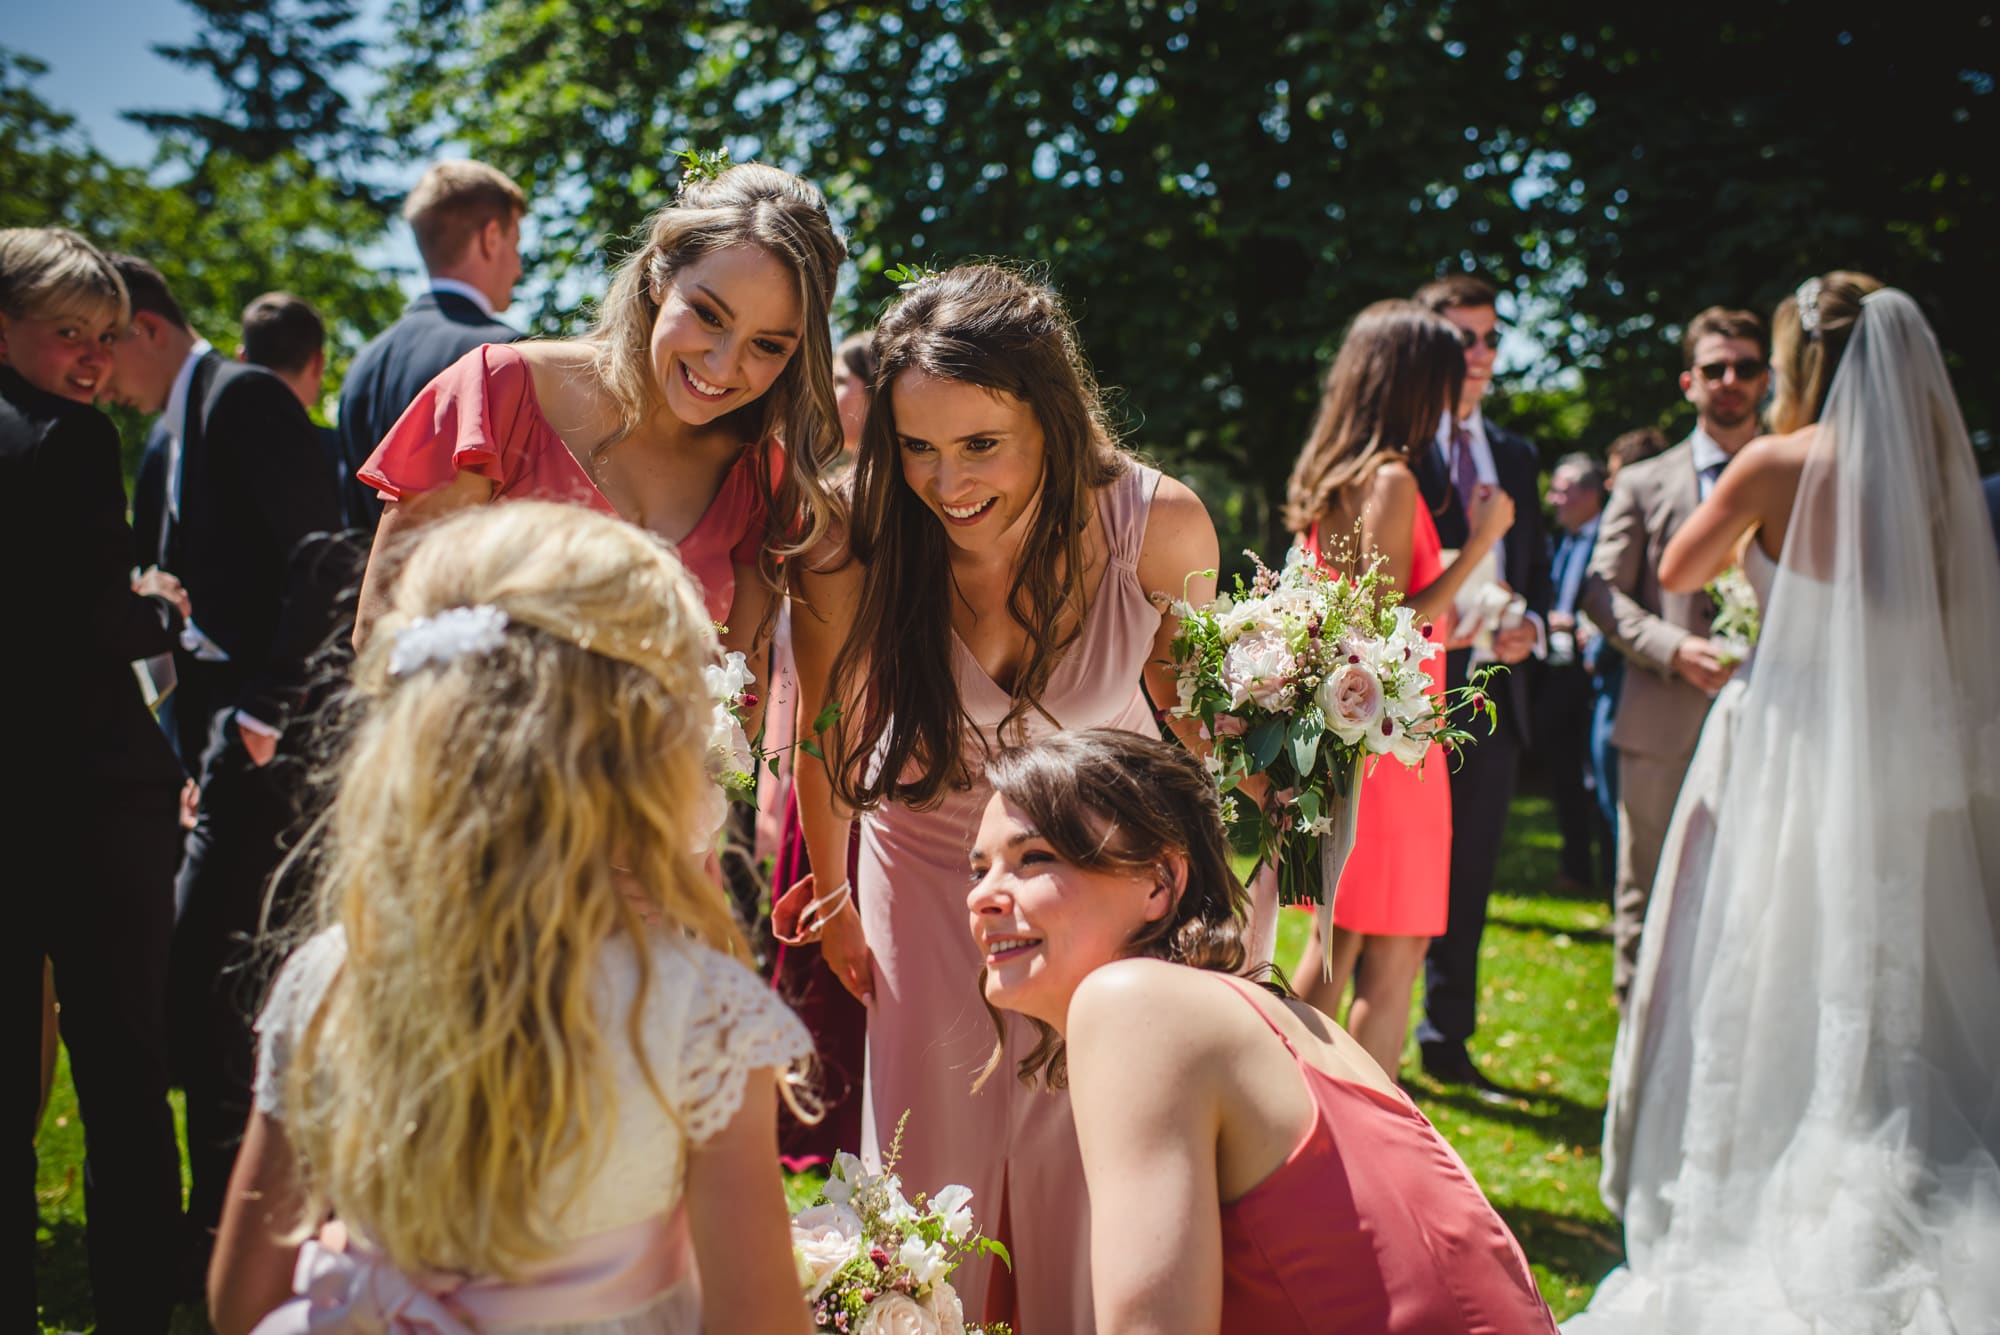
(498, 819)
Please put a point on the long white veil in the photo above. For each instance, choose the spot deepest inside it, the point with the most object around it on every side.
(1833, 1168)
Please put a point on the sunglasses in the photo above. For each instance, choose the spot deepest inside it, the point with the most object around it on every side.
(1747, 368)
(1467, 339)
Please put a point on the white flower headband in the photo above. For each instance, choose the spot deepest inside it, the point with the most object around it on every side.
(1808, 300)
(447, 635)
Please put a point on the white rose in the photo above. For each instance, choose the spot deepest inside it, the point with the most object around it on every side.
(824, 1239)
(1351, 699)
(925, 1261)
(896, 1314)
(1409, 747)
(945, 1309)
(1256, 670)
(953, 1206)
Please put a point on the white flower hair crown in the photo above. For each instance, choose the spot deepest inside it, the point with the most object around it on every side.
(1808, 300)
(447, 635)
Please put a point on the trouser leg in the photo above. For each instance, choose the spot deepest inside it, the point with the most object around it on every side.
(1481, 789)
(1647, 788)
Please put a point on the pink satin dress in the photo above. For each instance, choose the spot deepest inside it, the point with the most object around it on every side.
(1372, 1224)
(1397, 881)
(481, 416)
(928, 1030)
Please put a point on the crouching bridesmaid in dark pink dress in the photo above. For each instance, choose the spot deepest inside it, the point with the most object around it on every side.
(1250, 1168)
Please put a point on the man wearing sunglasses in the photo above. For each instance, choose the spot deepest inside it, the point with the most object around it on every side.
(1665, 635)
(1473, 454)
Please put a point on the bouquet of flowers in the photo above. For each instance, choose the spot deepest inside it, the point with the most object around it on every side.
(873, 1263)
(1300, 677)
(1736, 622)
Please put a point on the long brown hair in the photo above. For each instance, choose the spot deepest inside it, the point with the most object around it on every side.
(749, 204)
(1109, 800)
(1806, 362)
(978, 325)
(1398, 371)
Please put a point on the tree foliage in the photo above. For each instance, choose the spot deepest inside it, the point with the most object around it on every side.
(1218, 185)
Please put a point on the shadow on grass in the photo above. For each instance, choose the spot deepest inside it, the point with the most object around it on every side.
(63, 1275)
(1579, 1251)
(1550, 1114)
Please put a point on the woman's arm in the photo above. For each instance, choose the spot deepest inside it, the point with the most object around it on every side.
(746, 634)
(399, 520)
(736, 1215)
(1756, 487)
(1388, 519)
(1177, 560)
(821, 619)
(250, 1272)
(1144, 1088)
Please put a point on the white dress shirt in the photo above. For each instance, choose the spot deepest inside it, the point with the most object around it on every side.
(1709, 458)
(1475, 434)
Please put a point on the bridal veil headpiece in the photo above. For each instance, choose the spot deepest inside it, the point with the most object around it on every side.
(447, 635)
(1808, 301)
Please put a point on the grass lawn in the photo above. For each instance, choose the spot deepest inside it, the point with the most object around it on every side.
(1546, 1025)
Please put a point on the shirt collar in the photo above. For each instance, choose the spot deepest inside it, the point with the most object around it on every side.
(175, 414)
(1707, 454)
(1475, 427)
(466, 290)
(1588, 532)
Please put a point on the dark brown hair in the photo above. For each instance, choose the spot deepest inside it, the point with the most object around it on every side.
(978, 325)
(148, 288)
(1455, 291)
(453, 202)
(1806, 362)
(1641, 443)
(857, 353)
(1729, 324)
(1399, 369)
(749, 204)
(1109, 800)
(282, 331)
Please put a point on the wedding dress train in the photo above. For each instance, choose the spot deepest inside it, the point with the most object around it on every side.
(1805, 1109)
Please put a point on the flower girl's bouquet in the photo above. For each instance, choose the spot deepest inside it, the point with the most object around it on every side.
(1737, 619)
(1300, 677)
(873, 1263)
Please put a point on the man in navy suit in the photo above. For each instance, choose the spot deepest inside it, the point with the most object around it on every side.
(248, 504)
(1472, 452)
(1565, 696)
(467, 220)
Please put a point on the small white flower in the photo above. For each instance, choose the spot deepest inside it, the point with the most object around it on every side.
(952, 1205)
(728, 679)
(925, 1261)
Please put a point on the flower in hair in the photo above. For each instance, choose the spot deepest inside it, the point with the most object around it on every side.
(447, 635)
(1808, 300)
(699, 165)
(907, 276)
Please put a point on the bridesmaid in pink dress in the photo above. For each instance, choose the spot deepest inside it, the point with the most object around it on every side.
(1251, 1170)
(699, 408)
(1353, 499)
(1005, 560)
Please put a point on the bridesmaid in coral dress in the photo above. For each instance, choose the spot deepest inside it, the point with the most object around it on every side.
(1251, 1170)
(710, 350)
(1005, 557)
(1353, 499)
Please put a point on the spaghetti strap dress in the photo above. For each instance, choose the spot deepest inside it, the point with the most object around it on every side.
(1372, 1223)
(929, 1033)
(481, 416)
(1397, 881)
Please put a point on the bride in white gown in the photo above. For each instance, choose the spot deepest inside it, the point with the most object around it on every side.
(1805, 1103)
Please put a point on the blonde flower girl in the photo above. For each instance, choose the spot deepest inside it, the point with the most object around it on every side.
(518, 1077)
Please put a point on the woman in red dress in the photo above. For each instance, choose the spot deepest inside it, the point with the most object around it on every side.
(701, 407)
(1353, 500)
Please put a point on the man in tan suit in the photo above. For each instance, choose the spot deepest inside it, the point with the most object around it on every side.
(1675, 668)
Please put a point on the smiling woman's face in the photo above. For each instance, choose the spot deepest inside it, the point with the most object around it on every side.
(728, 325)
(972, 455)
(1042, 923)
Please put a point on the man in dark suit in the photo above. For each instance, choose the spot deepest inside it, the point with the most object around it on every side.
(1566, 694)
(1471, 452)
(249, 502)
(89, 874)
(467, 220)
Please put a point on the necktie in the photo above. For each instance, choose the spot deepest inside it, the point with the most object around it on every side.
(1464, 473)
(1566, 554)
(1708, 476)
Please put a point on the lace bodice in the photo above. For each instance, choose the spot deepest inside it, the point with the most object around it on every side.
(708, 1022)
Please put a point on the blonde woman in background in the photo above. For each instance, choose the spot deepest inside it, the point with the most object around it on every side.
(520, 1061)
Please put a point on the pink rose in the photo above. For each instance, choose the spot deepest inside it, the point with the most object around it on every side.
(1352, 701)
(896, 1314)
